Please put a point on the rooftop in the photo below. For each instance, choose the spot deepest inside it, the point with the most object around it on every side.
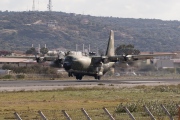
(6, 60)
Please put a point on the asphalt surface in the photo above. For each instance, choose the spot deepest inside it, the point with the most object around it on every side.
(26, 85)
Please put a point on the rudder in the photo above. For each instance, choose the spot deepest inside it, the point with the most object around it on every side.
(110, 47)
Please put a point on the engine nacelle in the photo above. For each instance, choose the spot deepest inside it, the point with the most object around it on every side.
(130, 58)
(105, 60)
(40, 59)
(59, 62)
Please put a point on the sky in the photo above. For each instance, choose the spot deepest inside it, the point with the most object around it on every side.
(146, 9)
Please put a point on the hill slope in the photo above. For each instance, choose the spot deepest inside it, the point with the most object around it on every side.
(18, 30)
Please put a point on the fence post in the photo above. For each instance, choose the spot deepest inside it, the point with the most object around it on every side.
(17, 116)
(166, 111)
(108, 113)
(129, 113)
(42, 115)
(151, 115)
(86, 114)
(67, 116)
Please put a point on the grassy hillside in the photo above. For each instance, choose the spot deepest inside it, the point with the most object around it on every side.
(18, 30)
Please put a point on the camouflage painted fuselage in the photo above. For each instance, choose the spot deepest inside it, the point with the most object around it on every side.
(83, 64)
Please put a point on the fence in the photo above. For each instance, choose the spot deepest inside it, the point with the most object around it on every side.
(106, 115)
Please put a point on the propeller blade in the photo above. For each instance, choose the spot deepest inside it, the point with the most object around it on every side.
(127, 64)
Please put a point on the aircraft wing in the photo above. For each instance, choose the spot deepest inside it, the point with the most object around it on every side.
(149, 56)
(136, 57)
(46, 58)
(115, 58)
(98, 59)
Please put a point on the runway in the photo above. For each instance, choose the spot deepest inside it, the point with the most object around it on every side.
(26, 85)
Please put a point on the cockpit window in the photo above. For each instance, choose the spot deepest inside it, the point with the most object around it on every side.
(73, 59)
(68, 58)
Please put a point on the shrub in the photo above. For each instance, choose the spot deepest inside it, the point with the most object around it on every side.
(153, 106)
(20, 76)
(7, 77)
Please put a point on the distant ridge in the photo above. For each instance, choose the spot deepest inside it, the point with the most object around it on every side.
(19, 30)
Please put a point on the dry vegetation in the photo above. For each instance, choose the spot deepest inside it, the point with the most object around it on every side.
(73, 99)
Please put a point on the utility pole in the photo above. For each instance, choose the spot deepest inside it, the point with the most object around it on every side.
(33, 7)
(49, 6)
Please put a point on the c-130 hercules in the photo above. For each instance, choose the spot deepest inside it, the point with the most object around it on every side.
(79, 65)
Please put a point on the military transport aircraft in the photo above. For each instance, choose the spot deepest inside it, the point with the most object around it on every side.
(79, 65)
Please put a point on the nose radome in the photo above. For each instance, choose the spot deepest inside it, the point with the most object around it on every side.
(67, 66)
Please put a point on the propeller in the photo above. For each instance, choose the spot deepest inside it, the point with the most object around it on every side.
(68, 61)
(67, 65)
(60, 59)
(39, 59)
(129, 60)
(38, 56)
(124, 57)
(127, 64)
(127, 57)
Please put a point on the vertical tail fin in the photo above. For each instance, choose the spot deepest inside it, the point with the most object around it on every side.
(110, 47)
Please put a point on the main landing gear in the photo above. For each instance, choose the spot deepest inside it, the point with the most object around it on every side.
(79, 77)
(70, 74)
(97, 77)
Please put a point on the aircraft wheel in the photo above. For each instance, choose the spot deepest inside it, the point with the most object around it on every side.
(79, 77)
(98, 77)
(70, 74)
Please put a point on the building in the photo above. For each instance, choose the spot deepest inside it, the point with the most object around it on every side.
(17, 62)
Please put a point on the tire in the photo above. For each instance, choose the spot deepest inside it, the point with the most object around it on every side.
(79, 77)
(97, 77)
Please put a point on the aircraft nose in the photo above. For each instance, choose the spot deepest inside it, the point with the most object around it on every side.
(67, 66)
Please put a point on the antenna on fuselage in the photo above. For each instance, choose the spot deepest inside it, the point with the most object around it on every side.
(97, 49)
(89, 48)
(83, 48)
(76, 47)
(39, 48)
